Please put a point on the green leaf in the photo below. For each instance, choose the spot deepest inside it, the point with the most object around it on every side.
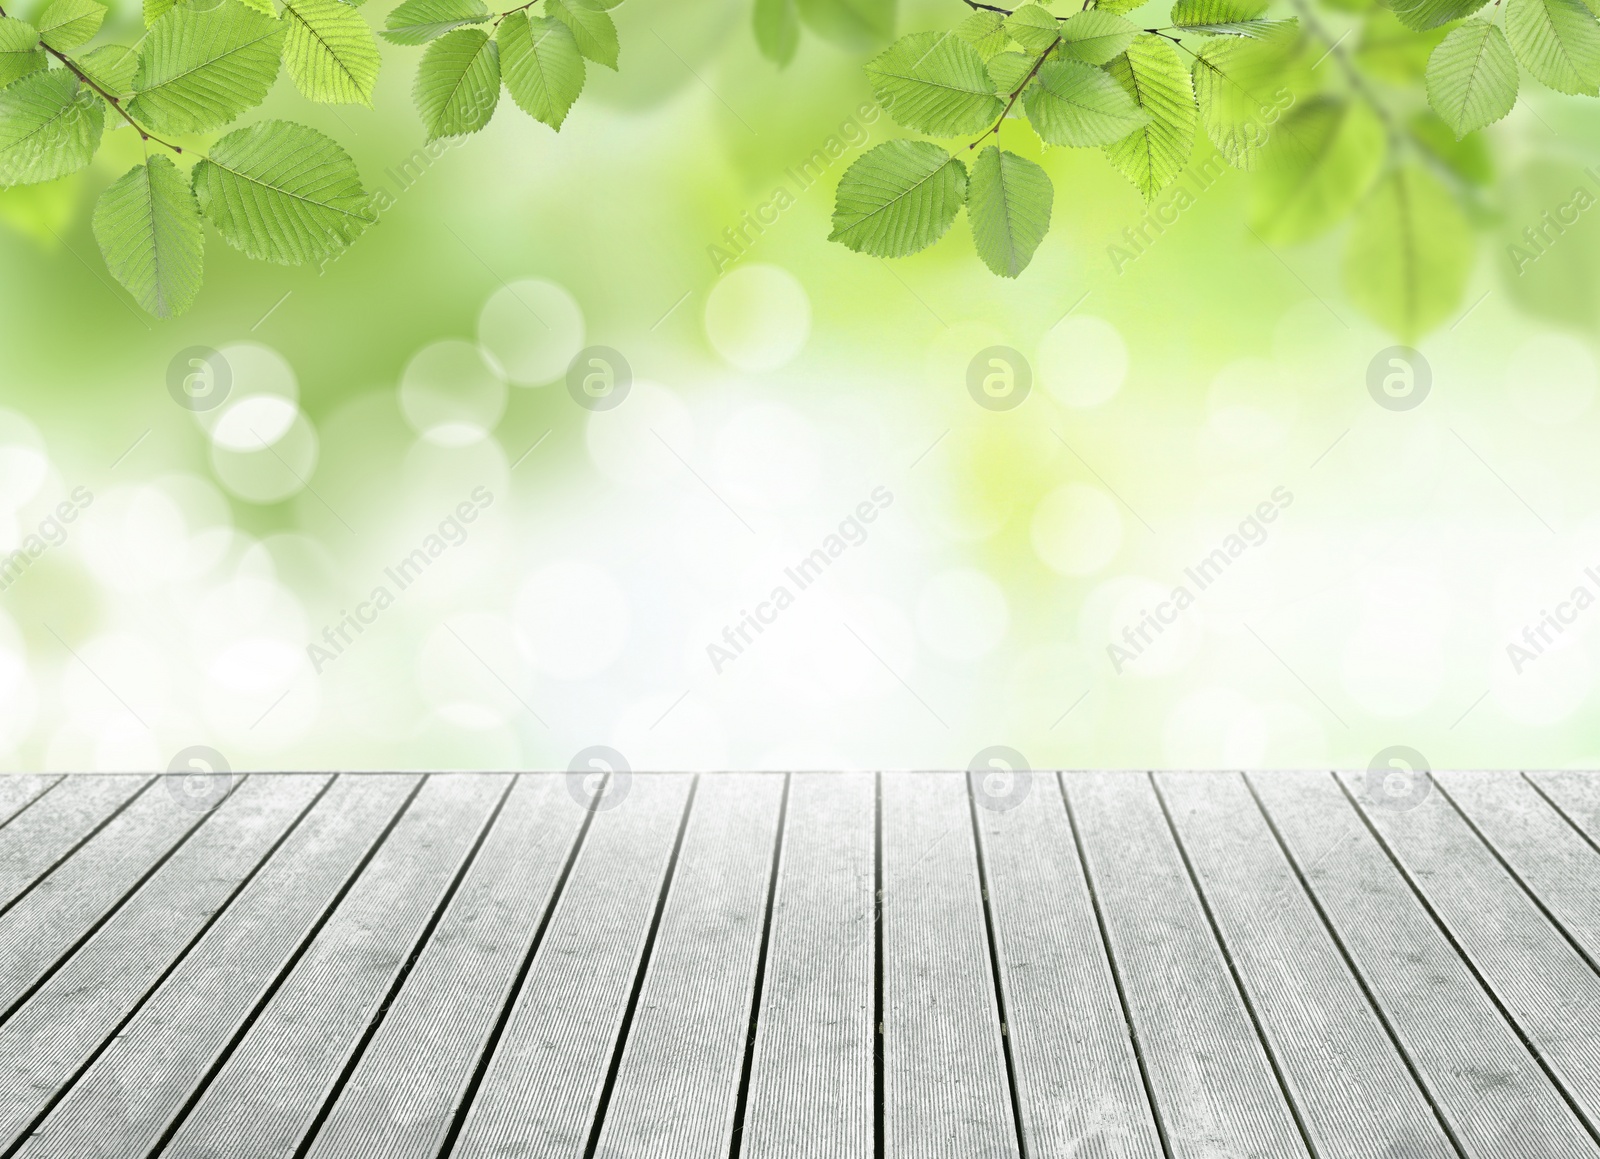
(1409, 253)
(1472, 77)
(1242, 87)
(148, 227)
(419, 21)
(1468, 158)
(330, 52)
(458, 83)
(281, 192)
(1008, 208)
(898, 198)
(1316, 169)
(1009, 69)
(1119, 6)
(1076, 104)
(112, 67)
(20, 53)
(201, 68)
(1423, 14)
(1557, 41)
(50, 126)
(777, 25)
(1153, 155)
(1095, 36)
(1223, 17)
(69, 24)
(591, 28)
(1033, 28)
(542, 66)
(936, 83)
(854, 24)
(985, 31)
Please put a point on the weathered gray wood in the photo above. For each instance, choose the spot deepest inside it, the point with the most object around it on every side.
(1547, 854)
(1356, 1097)
(1576, 795)
(282, 1072)
(49, 830)
(63, 907)
(62, 1024)
(1078, 1079)
(945, 1088)
(1212, 1081)
(1495, 1098)
(811, 1084)
(1548, 988)
(133, 1092)
(403, 1096)
(19, 790)
(542, 1087)
(679, 1075)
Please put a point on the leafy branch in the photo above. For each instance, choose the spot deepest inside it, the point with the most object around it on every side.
(1373, 142)
(276, 190)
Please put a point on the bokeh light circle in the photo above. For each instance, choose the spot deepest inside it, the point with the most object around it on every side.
(272, 473)
(758, 317)
(261, 406)
(450, 395)
(532, 329)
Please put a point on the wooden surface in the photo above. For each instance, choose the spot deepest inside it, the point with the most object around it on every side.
(806, 966)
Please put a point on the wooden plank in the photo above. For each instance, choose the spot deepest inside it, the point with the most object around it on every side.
(1354, 1091)
(126, 1101)
(44, 834)
(1213, 1083)
(1576, 795)
(401, 1099)
(1079, 1082)
(543, 1084)
(60, 1026)
(811, 1080)
(1552, 859)
(1493, 1096)
(277, 1079)
(1550, 991)
(680, 1070)
(945, 1087)
(56, 914)
(19, 790)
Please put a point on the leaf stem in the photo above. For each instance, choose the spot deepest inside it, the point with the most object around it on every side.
(1017, 92)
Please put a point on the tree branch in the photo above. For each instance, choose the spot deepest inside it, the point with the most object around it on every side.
(72, 67)
(1017, 92)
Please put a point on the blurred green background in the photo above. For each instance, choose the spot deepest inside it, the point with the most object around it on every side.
(777, 384)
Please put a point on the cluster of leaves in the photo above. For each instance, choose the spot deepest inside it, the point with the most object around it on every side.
(538, 58)
(276, 190)
(1355, 139)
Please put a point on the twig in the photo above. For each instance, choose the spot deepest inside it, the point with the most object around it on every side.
(1017, 92)
(144, 133)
